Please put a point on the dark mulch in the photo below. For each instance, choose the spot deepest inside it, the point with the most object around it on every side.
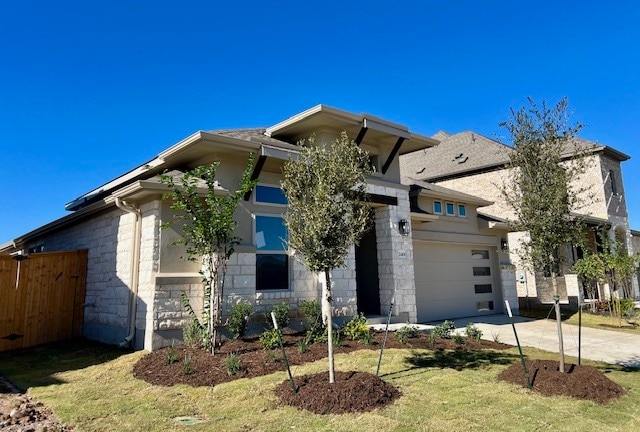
(581, 382)
(207, 370)
(351, 392)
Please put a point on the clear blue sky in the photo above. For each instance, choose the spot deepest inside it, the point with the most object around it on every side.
(91, 89)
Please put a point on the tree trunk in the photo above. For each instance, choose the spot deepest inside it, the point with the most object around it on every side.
(556, 299)
(328, 303)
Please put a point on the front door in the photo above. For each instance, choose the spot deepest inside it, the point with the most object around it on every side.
(367, 282)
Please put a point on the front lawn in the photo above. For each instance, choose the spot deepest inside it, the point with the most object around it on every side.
(94, 390)
(593, 320)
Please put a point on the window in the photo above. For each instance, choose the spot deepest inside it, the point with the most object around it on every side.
(272, 261)
(270, 195)
(612, 179)
(451, 209)
(437, 207)
(479, 254)
(462, 210)
(484, 306)
(483, 288)
(482, 271)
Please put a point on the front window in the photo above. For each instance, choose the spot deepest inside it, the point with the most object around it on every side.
(462, 210)
(272, 261)
(451, 209)
(266, 194)
(437, 207)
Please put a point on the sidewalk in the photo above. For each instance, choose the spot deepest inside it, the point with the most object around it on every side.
(601, 345)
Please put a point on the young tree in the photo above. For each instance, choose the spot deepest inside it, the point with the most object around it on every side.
(205, 213)
(327, 210)
(543, 190)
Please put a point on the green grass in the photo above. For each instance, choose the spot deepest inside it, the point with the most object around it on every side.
(93, 390)
(602, 322)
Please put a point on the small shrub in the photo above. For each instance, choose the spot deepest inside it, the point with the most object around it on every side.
(405, 333)
(432, 338)
(281, 312)
(313, 321)
(172, 355)
(457, 338)
(337, 338)
(193, 334)
(186, 365)
(357, 329)
(303, 345)
(238, 319)
(627, 306)
(270, 339)
(495, 337)
(473, 332)
(233, 364)
(444, 330)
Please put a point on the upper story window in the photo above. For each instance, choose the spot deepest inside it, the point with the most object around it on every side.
(437, 207)
(269, 194)
(462, 210)
(451, 209)
(612, 179)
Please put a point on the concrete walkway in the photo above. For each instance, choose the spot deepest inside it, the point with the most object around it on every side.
(601, 345)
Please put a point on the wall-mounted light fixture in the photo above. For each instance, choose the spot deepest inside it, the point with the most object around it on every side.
(504, 245)
(403, 227)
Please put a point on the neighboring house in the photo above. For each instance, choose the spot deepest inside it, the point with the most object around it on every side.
(136, 273)
(471, 163)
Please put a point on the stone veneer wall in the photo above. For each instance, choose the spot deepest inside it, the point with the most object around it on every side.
(107, 238)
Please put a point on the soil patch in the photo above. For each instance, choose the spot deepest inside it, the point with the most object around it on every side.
(22, 413)
(581, 382)
(207, 370)
(351, 392)
(623, 326)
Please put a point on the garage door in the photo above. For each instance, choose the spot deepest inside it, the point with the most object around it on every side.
(454, 281)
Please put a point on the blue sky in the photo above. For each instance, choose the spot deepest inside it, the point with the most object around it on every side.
(92, 89)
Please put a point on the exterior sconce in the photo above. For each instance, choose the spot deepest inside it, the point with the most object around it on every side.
(403, 227)
(504, 245)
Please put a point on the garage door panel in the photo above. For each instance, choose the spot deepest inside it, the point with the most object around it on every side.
(445, 283)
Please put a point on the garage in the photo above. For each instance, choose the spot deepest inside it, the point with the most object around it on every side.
(455, 281)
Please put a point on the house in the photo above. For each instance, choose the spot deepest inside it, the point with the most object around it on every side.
(471, 163)
(430, 247)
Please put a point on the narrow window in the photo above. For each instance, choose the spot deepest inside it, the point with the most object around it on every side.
(483, 288)
(484, 306)
(272, 261)
(462, 210)
(612, 179)
(451, 209)
(479, 254)
(437, 207)
(482, 271)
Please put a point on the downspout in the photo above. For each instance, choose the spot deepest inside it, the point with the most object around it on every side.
(134, 277)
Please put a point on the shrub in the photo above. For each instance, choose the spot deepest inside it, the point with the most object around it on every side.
(281, 312)
(193, 334)
(473, 332)
(303, 345)
(238, 319)
(405, 333)
(313, 321)
(357, 329)
(627, 306)
(270, 339)
(186, 365)
(172, 356)
(458, 339)
(444, 330)
(233, 364)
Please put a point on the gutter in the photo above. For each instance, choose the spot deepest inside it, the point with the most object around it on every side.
(134, 280)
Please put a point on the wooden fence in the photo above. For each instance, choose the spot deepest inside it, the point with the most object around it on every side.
(41, 298)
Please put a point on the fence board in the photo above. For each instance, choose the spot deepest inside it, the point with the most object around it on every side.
(41, 298)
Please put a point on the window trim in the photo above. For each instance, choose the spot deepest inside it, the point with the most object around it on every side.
(263, 203)
(446, 208)
(434, 207)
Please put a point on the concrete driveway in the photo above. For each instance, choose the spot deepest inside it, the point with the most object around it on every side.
(602, 345)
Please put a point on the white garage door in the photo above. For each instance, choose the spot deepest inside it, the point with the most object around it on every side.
(454, 281)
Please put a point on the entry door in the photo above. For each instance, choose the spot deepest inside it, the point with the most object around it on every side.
(367, 282)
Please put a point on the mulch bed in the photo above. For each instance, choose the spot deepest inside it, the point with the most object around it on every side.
(581, 382)
(207, 370)
(351, 392)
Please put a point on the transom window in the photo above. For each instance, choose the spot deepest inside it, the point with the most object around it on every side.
(272, 260)
(437, 207)
(267, 194)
